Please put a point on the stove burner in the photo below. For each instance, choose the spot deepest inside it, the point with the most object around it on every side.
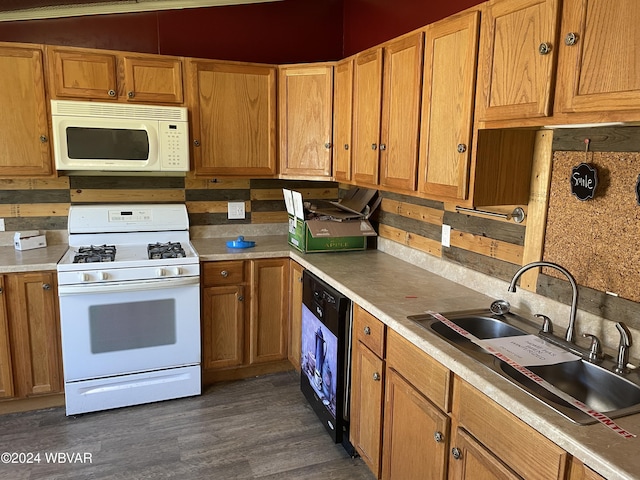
(165, 250)
(95, 253)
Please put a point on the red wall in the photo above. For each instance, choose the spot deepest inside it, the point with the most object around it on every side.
(370, 22)
(287, 31)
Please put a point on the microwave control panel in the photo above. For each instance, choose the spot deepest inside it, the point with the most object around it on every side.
(174, 146)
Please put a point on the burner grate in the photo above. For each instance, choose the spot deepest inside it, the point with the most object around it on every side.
(95, 253)
(165, 250)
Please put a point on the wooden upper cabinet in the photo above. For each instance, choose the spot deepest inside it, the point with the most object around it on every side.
(24, 132)
(401, 112)
(367, 108)
(517, 59)
(233, 117)
(305, 101)
(598, 58)
(109, 75)
(6, 370)
(451, 49)
(342, 112)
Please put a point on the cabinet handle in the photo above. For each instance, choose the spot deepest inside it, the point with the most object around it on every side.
(376, 376)
(367, 330)
(439, 437)
(346, 146)
(571, 39)
(1, 291)
(131, 94)
(43, 139)
(462, 148)
(383, 146)
(327, 145)
(544, 48)
(241, 298)
(111, 93)
(374, 146)
(196, 143)
(457, 454)
(224, 273)
(46, 286)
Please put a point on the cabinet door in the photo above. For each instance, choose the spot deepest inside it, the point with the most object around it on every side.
(82, 74)
(401, 113)
(295, 313)
(596, 67)
(35, 333)
(471, 461)
(451, 50)
(233, 118)
(415, 433)
(148, 79)
(6, 370)
(342, 112)
(306, 105)
(222, 326)
(24, 131)
(269, 310)
(367, 396)
(367, 106)
(516, 74)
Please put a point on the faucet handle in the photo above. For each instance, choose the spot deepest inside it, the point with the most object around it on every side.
(595, 351)
(547, 326)
(623, 348)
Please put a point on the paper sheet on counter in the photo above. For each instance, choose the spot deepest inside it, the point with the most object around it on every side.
(530, 350)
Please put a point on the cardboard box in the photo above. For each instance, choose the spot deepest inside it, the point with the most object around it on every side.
(28, 241)
(324, 234)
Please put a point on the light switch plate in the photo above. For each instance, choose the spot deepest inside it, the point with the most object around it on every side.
(235, 211)
(1, 224)
(446, 235)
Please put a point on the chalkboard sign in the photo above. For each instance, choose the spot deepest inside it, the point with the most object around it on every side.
(584, 180)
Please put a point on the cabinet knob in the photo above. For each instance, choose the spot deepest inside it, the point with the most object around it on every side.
(346, 146)
(131, 94)
(196, 143)
(367, 330)
(111, 93)
(241, 298)
(374, 146)
(1, 290)
(439, 437)
(571, 39)
(457, 454)
(383, 146)
(43, 138)
(46, 286)
(327, 145)
(544, 48)
(224, 273)
(376, 376)
(462, 148)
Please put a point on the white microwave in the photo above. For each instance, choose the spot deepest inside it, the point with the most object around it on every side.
(119, 137)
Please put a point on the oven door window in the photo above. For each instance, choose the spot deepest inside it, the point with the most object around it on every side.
(127, 326)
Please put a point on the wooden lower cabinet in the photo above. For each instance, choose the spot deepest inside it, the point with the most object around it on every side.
(244, 318)
(34, 334)
(472, 461)
(6, 369)
(295, 313)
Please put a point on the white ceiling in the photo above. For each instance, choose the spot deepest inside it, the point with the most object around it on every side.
(11, 10)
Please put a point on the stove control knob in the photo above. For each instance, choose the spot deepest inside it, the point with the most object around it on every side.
(84, 277)
(176, 271)
(160, 272)
(103, 275)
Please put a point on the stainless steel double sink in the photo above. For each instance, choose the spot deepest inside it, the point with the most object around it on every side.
(595, 385)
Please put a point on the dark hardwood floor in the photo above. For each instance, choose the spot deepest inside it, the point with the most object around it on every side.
(248, 429)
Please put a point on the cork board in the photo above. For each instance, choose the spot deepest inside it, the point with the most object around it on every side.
(597, 240)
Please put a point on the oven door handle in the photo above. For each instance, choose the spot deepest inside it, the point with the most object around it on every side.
(132, 286)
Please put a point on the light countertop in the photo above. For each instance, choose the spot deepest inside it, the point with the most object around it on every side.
(38, 259)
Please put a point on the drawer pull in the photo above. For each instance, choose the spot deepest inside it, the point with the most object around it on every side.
(367, 330)
(224, 273)
(457, 454)
(376, 376)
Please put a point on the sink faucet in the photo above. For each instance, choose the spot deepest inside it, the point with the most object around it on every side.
(623, 349)
(571, 330)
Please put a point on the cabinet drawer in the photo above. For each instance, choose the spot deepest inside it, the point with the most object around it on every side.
(369, 330)
(222, 273)
(523, 449)
(427, 375)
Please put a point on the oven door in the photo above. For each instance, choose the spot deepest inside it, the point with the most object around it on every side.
(126, 327)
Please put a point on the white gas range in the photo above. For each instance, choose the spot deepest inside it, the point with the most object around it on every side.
(129, 294)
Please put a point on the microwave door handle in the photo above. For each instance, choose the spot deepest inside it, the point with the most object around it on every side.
(133, 286)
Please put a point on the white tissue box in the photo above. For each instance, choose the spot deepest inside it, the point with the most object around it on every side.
(29, 241)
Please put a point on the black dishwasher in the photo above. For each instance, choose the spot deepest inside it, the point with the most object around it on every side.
(326, 355)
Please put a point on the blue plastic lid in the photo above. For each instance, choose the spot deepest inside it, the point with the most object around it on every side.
(241, 243)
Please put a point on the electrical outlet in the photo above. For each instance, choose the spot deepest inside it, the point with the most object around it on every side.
(446, 235)
(235, 210)
(1, 224)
